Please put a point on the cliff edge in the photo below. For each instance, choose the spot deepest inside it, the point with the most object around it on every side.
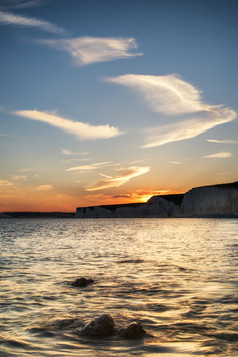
(207, 201)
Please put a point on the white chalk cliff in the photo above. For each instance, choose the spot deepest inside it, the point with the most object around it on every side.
(213, 200)
(218, 200)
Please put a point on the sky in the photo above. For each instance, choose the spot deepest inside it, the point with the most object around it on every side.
(113, 101)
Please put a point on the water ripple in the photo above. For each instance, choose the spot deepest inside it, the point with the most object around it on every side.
(175, 277)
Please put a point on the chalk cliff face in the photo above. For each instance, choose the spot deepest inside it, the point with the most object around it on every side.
(218, 200)
(210, 201)
(155, 207)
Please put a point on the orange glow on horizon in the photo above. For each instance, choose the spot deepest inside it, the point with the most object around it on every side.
(15, 200)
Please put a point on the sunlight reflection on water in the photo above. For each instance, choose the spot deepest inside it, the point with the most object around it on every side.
(178, 277)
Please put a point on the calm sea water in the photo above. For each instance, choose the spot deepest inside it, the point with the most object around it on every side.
(177, 277)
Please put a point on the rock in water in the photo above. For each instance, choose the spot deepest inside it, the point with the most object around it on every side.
(133, 331)
(81, 282)
(101, 326)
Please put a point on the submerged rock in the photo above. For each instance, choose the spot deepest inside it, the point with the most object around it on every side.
(67, 323)
(101, 326)
(81, 282)
(133, 331)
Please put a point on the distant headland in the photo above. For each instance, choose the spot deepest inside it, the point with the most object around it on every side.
(220, 200)
(25, 214)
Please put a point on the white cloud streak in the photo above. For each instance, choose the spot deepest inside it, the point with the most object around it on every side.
(124, 176)
(44, 188)
(170, 95)
(219, 155)
(88, 50)
(222, 141)
(9, 18)
(186, 129)
(81, 130)
(89, 167)
(68, 152)
(18, 177)
(175, 162)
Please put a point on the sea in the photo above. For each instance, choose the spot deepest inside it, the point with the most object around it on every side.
(178, 278)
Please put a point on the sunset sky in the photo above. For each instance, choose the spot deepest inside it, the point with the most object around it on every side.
(112, 101)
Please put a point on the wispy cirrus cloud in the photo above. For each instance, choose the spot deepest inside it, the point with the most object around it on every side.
(71, 153)
(89, 167)
(222, 141)
(9, 18)
(20, 4)
(219, 155)
(175, 162)
(171, 95)
(124, 175)
(44, 188)
(18, 177)
(83, 131)
(186, 129)
(88, 50)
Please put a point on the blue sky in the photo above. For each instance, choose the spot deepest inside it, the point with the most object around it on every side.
(114, 101)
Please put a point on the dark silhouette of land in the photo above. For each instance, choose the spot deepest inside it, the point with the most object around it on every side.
(37, 215)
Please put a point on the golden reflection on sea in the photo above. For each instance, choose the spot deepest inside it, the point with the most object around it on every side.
(176, 277)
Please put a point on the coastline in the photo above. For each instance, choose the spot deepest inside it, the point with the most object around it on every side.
(215, 201)
(22, 214)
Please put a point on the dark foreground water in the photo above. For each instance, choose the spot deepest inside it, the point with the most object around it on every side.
(177, 277)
